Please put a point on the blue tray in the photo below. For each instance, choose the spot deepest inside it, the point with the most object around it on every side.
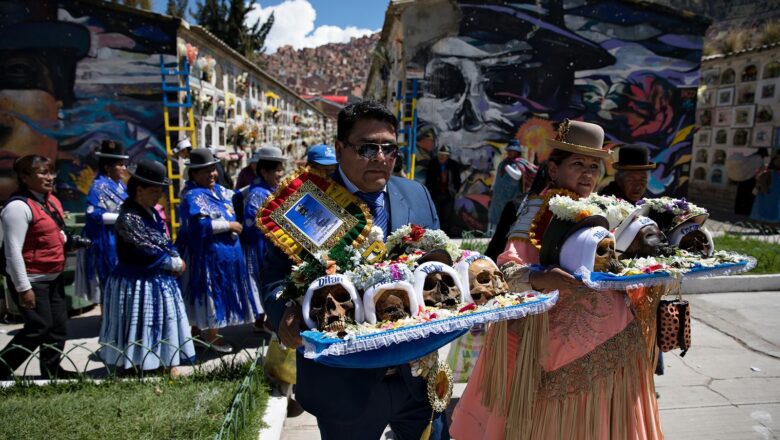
(401, 345)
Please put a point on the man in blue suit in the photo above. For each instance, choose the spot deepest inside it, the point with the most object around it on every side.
(360, 403)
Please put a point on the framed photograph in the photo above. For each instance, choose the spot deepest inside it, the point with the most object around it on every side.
(724, 117)
(704, 117)
(767, 91)
(725, 96)
(311, 214)
(741, 137)
(721, 136)
(719, 158)
(762, 136)
(744, 116)
(765, 114)
(746, 94)
(703, 138)
(701, 156)
(710, 77)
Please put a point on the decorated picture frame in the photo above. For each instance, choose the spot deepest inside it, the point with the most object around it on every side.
(724, 117)
(312, 214)
(762, 135)
(744, 116)
(725, 97)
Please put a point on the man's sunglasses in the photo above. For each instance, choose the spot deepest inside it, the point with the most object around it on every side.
(371, 150)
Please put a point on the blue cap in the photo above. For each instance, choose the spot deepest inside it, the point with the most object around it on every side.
(322, 154)
(514, 145)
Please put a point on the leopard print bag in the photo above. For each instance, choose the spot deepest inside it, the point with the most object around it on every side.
(674, 325)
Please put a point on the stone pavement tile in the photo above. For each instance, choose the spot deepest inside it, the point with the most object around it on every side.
(748, 391)
(747, 422)
(674, 397)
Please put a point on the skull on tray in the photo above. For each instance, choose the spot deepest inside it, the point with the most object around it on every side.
(606, 259)
(485, 281)
(332, 308)
(649, 242)
(392, 305)
(696, 242)
(440, 290)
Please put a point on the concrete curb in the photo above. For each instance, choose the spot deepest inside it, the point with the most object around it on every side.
(734, 283)
(274, 417)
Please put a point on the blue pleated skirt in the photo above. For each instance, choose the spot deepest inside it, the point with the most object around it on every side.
(144, 325)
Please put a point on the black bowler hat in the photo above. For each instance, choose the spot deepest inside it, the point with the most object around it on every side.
(112, 150)
(201, 158)
(558, 230)
(633, 157)
(149, 171)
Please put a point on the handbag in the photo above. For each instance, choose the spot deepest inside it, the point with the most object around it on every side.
(280, 362)
(674, 325)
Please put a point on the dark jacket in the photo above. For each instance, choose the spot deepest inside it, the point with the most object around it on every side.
(613, 190)
(343, 393)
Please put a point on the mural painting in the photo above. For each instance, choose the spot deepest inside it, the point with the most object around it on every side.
(73, 74)
(511, 70)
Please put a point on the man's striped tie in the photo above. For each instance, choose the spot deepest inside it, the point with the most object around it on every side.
(376, 202)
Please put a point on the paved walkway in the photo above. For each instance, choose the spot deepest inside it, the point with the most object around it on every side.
(727, 386)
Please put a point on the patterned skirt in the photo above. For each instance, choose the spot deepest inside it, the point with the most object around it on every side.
(144, 325)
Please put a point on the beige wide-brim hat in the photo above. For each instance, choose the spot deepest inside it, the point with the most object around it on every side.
(580, 138)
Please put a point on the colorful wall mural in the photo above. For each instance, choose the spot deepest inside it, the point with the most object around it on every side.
(73, 74)
(507, 70)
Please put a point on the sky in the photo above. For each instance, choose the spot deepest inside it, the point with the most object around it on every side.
(312, 23)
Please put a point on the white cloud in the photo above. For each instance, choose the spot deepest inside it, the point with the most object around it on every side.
(294, 25)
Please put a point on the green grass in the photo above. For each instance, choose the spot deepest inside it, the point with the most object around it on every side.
(474, 241)
(767, 254)
(184, 408)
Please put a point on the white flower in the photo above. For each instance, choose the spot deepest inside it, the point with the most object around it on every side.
(566, 208)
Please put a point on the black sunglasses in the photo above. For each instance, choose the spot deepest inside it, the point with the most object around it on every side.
(370, 150)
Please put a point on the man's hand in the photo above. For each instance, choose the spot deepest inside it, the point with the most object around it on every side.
(236, 227)
(290, 327)
(555, 279)
(27, 299)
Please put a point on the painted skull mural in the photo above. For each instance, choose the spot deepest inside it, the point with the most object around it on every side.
(625, 66)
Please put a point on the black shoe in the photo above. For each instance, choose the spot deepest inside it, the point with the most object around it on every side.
(657, 396)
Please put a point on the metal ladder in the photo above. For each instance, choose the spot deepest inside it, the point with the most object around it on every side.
(179, 83)
(406, 112)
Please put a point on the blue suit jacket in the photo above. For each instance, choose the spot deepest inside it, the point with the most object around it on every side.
(342, 393)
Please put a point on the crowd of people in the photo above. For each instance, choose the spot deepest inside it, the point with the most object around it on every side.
(587, 376)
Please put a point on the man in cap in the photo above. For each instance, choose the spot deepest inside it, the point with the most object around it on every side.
(443, 182)
(322, 158)
(513, 175)
(632, 173)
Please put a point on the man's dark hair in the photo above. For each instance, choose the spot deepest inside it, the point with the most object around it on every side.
(365, 109)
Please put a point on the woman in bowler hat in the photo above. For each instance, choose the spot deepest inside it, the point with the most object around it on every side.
(145, 324)
(217, 287)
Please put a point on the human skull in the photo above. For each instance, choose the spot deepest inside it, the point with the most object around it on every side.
(440, 290)
(485, 281)
(696, 242)
(606, 258)
(392, 305)
(332, 308)
(649, 242)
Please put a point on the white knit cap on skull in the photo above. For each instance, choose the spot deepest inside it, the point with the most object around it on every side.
(370, 297)
(430, 267)
(331, 280)
(579, 250)
(626, 234)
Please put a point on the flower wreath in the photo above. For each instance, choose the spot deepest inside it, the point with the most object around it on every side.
(615, 209)
(677, 207)
(410, 238)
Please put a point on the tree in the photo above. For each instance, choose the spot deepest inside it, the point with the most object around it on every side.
(247, 40)
(177, 8)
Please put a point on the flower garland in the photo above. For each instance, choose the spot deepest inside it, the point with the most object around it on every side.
(673, 206)
(615, 209)
(566, 208)
(408, 238)
(678, 264)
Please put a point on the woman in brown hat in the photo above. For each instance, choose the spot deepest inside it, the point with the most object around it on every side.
(579, 371)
